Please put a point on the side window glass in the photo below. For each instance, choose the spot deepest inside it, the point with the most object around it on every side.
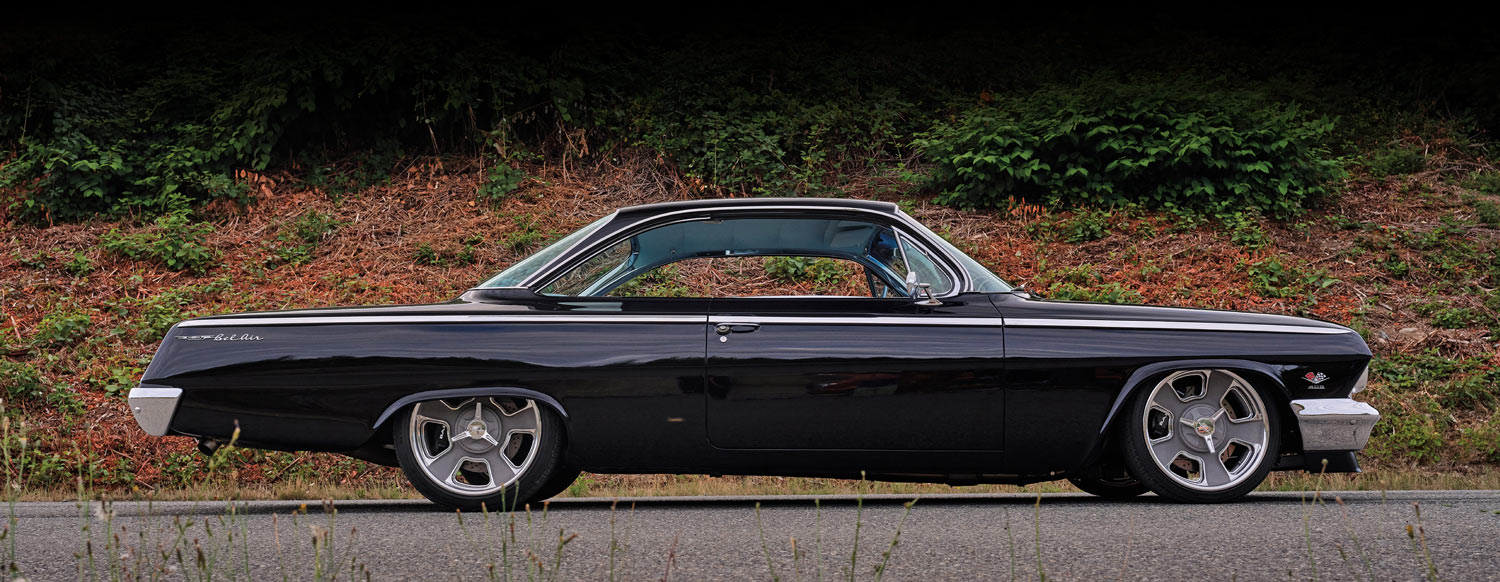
(927, 269)
(776, 276)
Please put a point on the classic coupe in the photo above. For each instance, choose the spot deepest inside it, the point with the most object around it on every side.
(796, 337)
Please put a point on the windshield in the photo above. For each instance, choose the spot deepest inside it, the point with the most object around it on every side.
(517, 273)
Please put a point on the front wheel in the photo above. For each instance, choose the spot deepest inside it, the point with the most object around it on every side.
(473, 453)
(1201, 436)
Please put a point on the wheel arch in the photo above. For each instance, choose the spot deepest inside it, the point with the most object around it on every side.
(1260, 373)
(506, 391)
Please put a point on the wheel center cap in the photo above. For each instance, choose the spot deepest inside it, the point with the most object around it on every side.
(1204, 426)
(476, 429)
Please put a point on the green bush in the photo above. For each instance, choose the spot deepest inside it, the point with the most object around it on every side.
(1156, 145)
(1246, 232)
(817, 270)
(1101, 293)
(299, 240)
(174, 241)
(500, 181)
(1487, 212)
(22, 382)
(1484, 182)
(465, 255)
(1395, 161)
(1083, 283)
(79, 265)
(62, 328)
(1271, 278)
(1087, 225)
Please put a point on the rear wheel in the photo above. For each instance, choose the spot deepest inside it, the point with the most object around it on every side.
(560, 481)
(1116, 488)
(468, 453)
(1201, 436)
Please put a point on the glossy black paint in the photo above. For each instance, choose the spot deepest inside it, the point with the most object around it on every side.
(890, 388)
(1066, 385)
(818, 385)
(917, 402)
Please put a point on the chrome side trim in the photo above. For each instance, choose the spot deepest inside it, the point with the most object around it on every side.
(1174, 325)
(928, 321)
(1334, 424)
(392, 319)
(623, 318)
(153, 407)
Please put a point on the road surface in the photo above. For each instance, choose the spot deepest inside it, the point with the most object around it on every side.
(1269, 536)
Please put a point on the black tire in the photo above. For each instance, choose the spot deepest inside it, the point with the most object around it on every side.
(1143, 465)
(559, 482)
(527, 484)
(1118, 488)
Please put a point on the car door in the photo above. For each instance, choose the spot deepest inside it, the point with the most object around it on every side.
(856, 373)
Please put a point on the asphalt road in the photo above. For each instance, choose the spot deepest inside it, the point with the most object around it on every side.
(945, 537)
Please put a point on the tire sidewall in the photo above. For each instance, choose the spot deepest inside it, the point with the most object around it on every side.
(1142, 465)
(516, 495)
(1108, 490)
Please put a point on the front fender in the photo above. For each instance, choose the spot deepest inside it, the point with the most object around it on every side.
(1269, 373)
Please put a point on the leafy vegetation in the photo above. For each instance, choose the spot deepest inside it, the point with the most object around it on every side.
(1395, 161)
(62, 328)
(175, 242)
(1273, 278)
(299, 240)
(814, 269)
(500, 181)
(117, 125)
(465, 255)
(1155, 145)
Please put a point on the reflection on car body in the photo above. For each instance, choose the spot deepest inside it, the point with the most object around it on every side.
(693, 337)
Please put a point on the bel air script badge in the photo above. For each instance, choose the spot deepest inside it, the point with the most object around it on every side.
(221, 337)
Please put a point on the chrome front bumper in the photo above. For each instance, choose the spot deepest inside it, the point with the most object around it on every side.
(153, 407)
(1334, 424)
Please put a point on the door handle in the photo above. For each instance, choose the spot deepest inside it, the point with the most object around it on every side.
(729, 327)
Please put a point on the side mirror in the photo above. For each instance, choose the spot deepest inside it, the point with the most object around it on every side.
(911, 283)
(926, 289)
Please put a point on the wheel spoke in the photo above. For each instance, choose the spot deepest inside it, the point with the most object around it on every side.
(1167, 449)
(523, 421)
(501, 469)
(1251, 432)
(1216, 386)
(1212, 471)
(445, 464)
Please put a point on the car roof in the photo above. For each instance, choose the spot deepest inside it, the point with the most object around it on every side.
(631, 214)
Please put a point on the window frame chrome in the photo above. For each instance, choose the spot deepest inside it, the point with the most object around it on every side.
(898, 222)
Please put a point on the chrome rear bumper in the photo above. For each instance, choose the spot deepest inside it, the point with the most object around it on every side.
(1334, 424)
(153, 407)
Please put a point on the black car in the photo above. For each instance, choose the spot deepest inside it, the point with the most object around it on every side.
(799, 337)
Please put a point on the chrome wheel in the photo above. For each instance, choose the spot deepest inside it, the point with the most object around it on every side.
(1206, 430)
(475, 447)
